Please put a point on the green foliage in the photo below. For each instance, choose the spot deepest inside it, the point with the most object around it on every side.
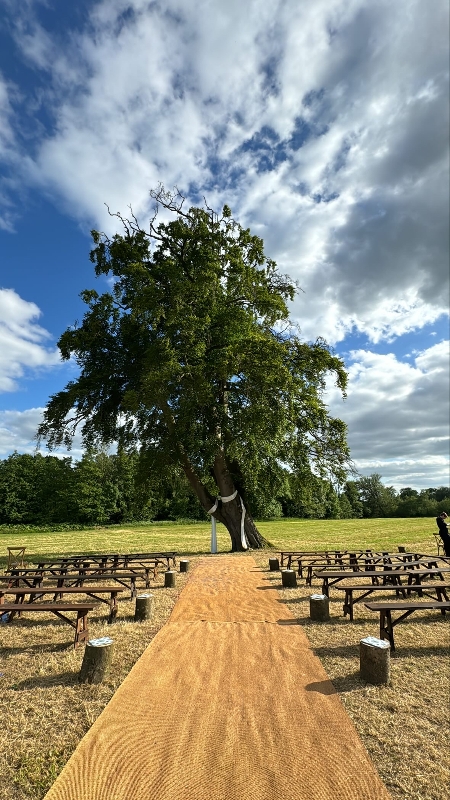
(192, 358)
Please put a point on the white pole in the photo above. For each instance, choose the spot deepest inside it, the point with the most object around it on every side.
(213, 535)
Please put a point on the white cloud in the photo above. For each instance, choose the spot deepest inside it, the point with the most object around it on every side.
(18, 432)
(397, 416)
(324, 125)
(22, 341)
(177, 93)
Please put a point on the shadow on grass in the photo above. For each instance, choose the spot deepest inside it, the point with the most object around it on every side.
(46, 682)
(347, 683)
(57, 647)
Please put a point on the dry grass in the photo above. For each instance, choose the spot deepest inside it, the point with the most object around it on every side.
(44, 710)
(404, 725)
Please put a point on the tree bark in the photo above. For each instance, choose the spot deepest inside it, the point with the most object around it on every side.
(228, 513)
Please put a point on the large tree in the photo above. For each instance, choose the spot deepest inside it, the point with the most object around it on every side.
(192, 357)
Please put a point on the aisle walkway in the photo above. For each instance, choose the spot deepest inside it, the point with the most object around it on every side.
(228, 702)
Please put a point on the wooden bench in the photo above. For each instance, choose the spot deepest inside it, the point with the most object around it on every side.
(127, 579)
(110, 560)
(387, 623)
(58, 592)
(440, 590)
(80, 624)
(140, 570)
(413, 576)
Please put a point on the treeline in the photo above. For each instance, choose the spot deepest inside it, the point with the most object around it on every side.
(103, 489)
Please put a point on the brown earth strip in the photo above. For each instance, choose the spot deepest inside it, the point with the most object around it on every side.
(228, 702)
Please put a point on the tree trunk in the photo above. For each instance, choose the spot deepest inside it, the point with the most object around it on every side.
(229, 513)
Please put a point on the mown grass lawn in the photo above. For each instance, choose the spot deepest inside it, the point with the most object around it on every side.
(190, 539)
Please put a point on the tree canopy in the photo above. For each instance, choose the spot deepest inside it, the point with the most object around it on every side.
(191, 356)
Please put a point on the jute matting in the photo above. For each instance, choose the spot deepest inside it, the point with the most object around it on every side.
(228, 702)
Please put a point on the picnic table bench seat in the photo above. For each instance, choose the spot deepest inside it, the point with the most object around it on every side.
(127, 579)
(112, 559)
(387, 623)
(60, 610)
(94, 592)
(35, 580)
(423, 589)
(393, 577)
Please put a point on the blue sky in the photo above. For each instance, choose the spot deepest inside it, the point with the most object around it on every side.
(323, 125)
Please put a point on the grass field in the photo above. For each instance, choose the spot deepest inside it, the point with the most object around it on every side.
(404, 725)
(190, 539)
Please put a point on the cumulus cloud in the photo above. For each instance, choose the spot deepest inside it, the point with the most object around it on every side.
(23, 343)
(397, 415)
(324, 125)
(18, 432)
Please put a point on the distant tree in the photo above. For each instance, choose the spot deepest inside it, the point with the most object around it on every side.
(191, 357)
(377, 500)
(95, 488)
(439, 494)
(17, 488)
(345, 507)
(407, 492)
(351, 492)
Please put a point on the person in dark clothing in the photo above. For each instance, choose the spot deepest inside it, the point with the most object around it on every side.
(443, 531)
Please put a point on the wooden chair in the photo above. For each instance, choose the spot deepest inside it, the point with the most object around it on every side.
(15, 557)
(439, 543)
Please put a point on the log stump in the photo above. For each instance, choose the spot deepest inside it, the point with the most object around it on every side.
(374, 660)
(96, 660)
(184, 565)
(274, 565)
(143, 608)
(288, 579)
(169, 579)
(319, 607)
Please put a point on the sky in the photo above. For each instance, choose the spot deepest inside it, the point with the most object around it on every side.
(323, 124)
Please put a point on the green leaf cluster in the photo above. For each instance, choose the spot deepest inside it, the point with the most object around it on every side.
(192, 353)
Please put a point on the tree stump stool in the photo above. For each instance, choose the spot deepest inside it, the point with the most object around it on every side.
(143, 608)
(184, 565)
(288, 579)
(274, 565)
(319, 607)
(169, 579)
(374, 660)
(96, 660)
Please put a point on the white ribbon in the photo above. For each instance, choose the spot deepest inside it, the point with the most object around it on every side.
(213, 521)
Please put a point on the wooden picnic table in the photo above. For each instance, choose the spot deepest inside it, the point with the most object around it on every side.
(330, 556)
(343, 559)
(382, 567)
(423, 589)
(58, 591)
(140, 570)
(387, 623)
(414, 576)
(127, 579)
(66, 578)
(60, 610)
(103, 559)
